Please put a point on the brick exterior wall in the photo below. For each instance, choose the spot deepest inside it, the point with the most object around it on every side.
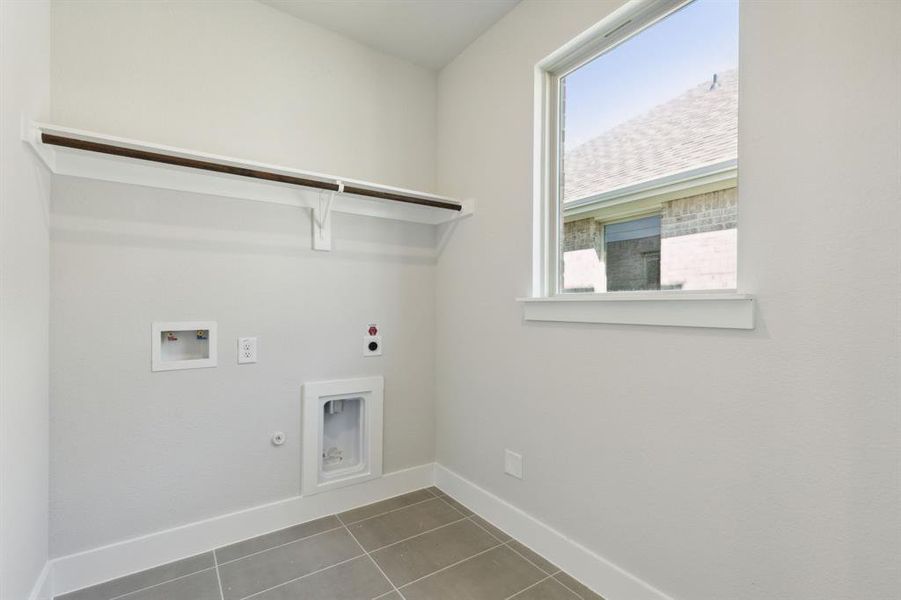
(582, 234)
(699, 261)
(695, 257)
(633, 264)
(713, 211)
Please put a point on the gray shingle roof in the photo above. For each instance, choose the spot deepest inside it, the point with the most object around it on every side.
(698, 127)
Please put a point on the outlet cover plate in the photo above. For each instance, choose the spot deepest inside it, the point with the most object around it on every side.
(513, 464)
(372, 339)
(247, 350)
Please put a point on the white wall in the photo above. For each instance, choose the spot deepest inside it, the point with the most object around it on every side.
(24, 291)
(135, 452)
(240, 78)
(711, 464)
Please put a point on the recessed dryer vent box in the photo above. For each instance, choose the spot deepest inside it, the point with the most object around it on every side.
(183, 345)
(342, 433)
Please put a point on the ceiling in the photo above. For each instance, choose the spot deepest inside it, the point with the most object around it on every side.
(429, 33)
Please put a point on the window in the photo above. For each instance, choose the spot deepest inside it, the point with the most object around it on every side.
(641, 153)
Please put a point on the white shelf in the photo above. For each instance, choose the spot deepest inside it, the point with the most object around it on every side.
(90, 164)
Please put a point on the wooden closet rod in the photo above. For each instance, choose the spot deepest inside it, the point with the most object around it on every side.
(67, 142)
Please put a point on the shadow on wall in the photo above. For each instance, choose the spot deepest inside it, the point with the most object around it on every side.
(119, 214)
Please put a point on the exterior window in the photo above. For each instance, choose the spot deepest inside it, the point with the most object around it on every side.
(643, 154)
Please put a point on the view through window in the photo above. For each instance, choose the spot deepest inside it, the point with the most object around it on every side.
(649, 140)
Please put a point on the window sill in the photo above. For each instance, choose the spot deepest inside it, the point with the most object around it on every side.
(721, 309)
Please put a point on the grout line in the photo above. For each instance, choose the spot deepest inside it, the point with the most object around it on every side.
(386, 594)
(385, 575)
(406, 539)
(462, 518)
(572, 591)
(452, 565)
(341, 521)
(521, 555)
(455, 509)
(228, 562)
(218, 577)
(156, 584)
(485, 529)
(439, 495)
(217, 564)
(337, 564)
(387, 511)
(526, 558)
(448, 500)
(528, 588)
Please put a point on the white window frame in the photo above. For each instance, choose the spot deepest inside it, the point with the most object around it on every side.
(714, 308)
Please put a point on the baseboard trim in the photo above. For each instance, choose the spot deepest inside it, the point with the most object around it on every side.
(607, 579)
(75, 571)
(42, 589)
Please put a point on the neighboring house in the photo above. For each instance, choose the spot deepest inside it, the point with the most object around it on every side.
(652, 202)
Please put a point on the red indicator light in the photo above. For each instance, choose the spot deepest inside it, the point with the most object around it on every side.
(373, 330)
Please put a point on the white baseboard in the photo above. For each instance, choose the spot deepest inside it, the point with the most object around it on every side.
(42, 589)
(97, 565)
(598, 573)
(75, 571)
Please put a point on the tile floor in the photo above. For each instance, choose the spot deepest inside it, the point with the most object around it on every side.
(419, 546)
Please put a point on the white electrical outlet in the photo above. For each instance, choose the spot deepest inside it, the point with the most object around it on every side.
(513, 464)
(247, 350)
(372, 345)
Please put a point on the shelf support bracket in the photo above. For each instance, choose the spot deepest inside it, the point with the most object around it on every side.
(322, 220)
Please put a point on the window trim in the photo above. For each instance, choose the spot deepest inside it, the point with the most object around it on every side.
(720, 310)
(548, 300)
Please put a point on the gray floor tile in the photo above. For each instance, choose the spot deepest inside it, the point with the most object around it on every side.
(270, 568)
(136, 581)
(549, 589)
(357, 579)
(421, 541)
(394, 526)
(199, 586)
(371, 510)
(490, 528)
(276, 538)
(533, 557)
(426, 553)
(494, 575)
(580, 590)
(462, 509)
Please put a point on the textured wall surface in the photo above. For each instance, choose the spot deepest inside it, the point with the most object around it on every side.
(135, 452)
(240, 78)
(24, 299)
(712, 464)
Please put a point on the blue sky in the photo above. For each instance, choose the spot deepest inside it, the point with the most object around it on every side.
(659, 63)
